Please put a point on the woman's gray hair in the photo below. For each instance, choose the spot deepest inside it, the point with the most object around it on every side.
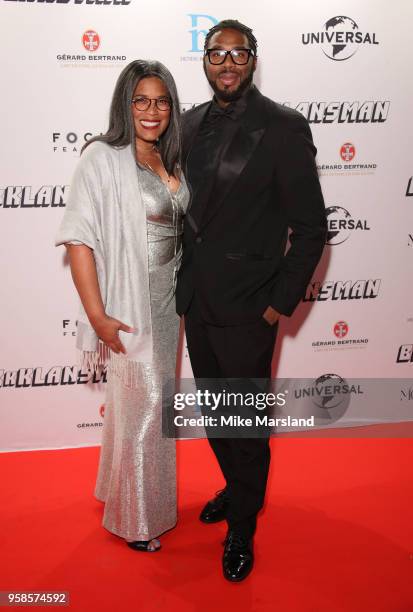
(121, 130)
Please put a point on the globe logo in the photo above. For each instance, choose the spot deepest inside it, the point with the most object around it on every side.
(338, 226)
(340, 38)
(337, 44)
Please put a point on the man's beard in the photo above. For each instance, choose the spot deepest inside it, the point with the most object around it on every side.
(230, 96)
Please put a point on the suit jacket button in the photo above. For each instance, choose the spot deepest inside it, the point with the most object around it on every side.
(198, 239)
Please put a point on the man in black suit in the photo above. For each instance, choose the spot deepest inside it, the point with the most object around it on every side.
(250, 165)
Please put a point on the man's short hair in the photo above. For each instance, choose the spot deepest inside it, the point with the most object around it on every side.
(233, 24)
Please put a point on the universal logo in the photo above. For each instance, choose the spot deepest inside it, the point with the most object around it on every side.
(200, 23)
(91, 41)
(345, 164)
(327, 397)
(340, 38)
(340, 225)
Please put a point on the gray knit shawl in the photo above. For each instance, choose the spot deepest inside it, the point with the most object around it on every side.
(105, 211)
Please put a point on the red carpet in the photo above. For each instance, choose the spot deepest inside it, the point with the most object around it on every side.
(336, 533)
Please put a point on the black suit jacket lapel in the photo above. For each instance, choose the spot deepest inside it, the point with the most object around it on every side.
(238, 152)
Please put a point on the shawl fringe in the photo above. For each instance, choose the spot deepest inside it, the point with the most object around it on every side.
(127, 370)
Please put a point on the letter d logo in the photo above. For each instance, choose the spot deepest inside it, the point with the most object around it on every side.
(196, 30)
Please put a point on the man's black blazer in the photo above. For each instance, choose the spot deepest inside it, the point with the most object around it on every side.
(267, 183)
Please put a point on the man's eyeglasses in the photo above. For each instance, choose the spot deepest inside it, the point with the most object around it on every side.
(142, 104)
(238, 56)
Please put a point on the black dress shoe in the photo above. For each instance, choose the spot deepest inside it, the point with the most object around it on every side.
(238, 559)
(216, 509)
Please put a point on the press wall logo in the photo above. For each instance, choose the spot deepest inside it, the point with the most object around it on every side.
(200, 23)
(70, 142)
(405, 354)
(340, 38)
(90, 41)
(325, 291)
(340, 225)
(369, 111)
(27, 196)
(339, 339)
(50, 377)
(409, 190)
(347, 151)
(327, 397)
(69, 328)
(340, 329)
(406, 394)
(345, 165)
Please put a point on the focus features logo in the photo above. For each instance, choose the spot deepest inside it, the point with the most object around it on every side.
(345, 166)
(405, 354)
(91, 40)
(340, 224)
(340, 38)
(370, 111)
(340, 329)
(69, 328)
(69, 142)
(342, 290)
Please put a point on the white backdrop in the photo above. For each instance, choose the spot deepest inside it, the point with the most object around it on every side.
(57, 83)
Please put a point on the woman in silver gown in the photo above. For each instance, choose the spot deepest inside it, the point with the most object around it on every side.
(122, 228)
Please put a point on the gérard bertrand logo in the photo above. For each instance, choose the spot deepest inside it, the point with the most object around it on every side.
(200, 23)
(340, 38)
(340, 339)
(87, 54)
(346, 164)
(335, 291)
(340, 225)
(28, 196)
(370, 111)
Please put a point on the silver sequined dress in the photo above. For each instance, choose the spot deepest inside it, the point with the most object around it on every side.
(137, 473)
